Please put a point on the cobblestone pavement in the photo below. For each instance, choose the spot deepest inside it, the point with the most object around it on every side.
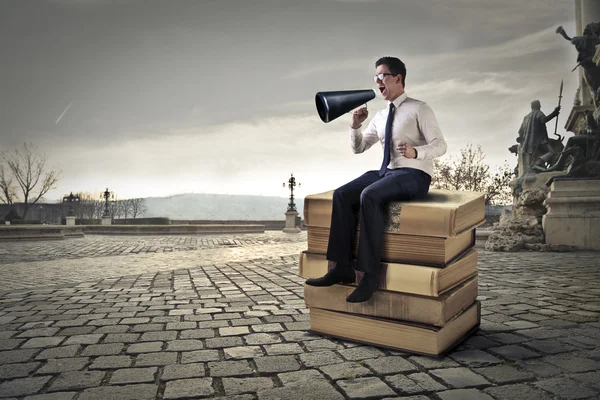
(239, 330)
(113, 245)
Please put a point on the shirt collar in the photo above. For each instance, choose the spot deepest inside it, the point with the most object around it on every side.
(399, 100)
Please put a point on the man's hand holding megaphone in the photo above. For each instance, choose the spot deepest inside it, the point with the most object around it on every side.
(359, 116)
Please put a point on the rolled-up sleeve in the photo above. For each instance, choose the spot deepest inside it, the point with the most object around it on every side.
(428, 125)
(361, 141)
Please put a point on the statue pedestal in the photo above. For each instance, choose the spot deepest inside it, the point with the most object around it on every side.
(538, 181)
(573, 216)
(70, 221)
(106, 221)
(290, 222)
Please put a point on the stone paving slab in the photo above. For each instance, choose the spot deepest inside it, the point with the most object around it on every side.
(239, 330)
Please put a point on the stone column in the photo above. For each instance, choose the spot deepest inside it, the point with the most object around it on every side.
(70, 220)
(106, 220)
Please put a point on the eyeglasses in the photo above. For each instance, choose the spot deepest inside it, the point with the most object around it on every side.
(381, 76)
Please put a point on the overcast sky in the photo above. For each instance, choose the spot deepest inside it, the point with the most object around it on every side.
(181, 96)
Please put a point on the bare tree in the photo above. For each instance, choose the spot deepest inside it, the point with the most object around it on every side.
(116, 208)
(126, 208)
(33, 177)
(469, 172)
(7, 189)
(89, 206)
(138, 207)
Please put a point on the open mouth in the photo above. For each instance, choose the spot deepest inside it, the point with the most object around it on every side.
(381, 89)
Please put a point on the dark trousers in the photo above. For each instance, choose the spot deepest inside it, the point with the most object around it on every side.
(365, 199)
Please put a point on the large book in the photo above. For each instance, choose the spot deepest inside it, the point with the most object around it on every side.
(397, 335)
(407, 278)
(426, 250)
(442, 213)
(437, 311)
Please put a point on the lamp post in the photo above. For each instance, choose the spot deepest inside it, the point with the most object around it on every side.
(291, 213)
(106, 218)
(292, 185)
(106, 195)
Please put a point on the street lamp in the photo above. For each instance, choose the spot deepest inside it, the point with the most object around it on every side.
(107, 195)
(71, 199)
(292, 185)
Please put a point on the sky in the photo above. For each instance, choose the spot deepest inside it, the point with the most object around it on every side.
(156, 98)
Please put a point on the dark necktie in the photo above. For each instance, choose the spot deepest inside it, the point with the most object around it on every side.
(388, 140)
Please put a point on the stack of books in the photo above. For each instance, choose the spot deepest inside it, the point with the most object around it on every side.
(427, 299)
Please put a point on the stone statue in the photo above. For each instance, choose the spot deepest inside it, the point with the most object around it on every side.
(535, 149)
(586, 47)
(581, 155)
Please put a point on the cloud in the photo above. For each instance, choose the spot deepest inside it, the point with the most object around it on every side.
(329, 66)
(525, 46)
(492, 83)
(236, 158)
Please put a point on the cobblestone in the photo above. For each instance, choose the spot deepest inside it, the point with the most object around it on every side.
(365, 387)
(186, 388)
(133, 375)
(346, 370)
(230, 322)
(181, 371)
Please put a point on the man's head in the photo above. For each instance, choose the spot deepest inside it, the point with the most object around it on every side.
(391, 83)
(535, 105)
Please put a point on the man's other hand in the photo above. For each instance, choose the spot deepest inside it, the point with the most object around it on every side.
(407, 150)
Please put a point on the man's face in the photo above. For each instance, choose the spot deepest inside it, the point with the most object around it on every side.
(390, 86)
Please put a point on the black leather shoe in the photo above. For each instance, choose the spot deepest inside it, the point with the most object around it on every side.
(365, 289)
(335, 275)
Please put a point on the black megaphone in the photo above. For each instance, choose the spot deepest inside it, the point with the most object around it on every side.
(331, 105)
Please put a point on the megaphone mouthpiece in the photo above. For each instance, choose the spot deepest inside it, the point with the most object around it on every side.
(330, 105)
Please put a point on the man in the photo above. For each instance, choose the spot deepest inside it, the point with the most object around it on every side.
(533, 138)
(411, 139)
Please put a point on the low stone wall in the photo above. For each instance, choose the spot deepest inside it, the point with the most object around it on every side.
(40, 232)
(270, 225)
(206, 229)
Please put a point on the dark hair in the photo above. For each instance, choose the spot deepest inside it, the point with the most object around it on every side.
(395, 66)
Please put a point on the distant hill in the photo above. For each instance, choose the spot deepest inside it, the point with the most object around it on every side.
(220, 207)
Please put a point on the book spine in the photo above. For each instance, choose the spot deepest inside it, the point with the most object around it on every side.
(406, 278)
(408, 219)
(459, 271)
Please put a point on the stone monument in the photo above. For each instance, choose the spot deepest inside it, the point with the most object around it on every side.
(573, 204)
(557, 187)
(521, 228)
(70, 218)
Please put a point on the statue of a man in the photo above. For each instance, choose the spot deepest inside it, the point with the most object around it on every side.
(534, 146)
(586, 47)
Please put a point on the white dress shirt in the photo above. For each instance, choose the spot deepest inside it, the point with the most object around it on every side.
(414, 123)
